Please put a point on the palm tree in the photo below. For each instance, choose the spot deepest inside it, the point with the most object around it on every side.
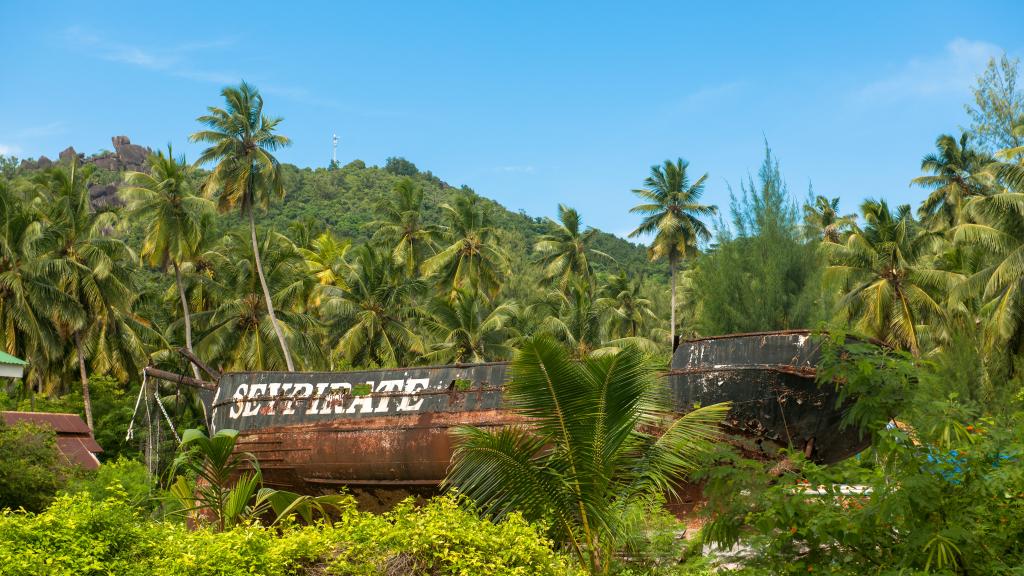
(401, 227)
(955, 173)
(173, 217)
(590, 447)
(246, 173)
(890, 287)
(469, 329)
(998, 230)
(564, 252)
(627, 309)
(822, 219)
(91, 267)
(239, 333)
(327, 259)
(373, 310)
(28, 297)
(573, 317)
(672, 213)
(473, 258)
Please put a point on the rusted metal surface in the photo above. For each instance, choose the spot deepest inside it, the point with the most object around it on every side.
(770, 380)
(315, 431)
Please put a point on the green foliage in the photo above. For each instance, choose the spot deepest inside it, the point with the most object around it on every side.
(120, 478)
(601, 438)
(78, 536)
(998, 105)
(651, 539)
(400, 166)
(891, 289)
(30, 467)
(767, 276)
(565, 253)
(215, 485)
(443, 538)
(112, 402)
(672, 212)
(941, 490)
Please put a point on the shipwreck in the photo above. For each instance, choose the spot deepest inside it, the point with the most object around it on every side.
(388, 428)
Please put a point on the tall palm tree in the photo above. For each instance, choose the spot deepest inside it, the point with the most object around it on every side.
(173, 217)
(92, 268)
(28, 297)
(473, 258)
(239, 334)
(823, 221)
(373, 311)
(469, 329)
(246, 173)
(401, 227)
(564, 252)
(956, 172)
(627, 309)
(672, 212)
(890, 287)
(589, 450)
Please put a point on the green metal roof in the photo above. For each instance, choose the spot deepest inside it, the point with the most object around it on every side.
(6, 358)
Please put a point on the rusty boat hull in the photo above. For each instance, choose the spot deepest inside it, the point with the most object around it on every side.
(389, 429)
(770, 379)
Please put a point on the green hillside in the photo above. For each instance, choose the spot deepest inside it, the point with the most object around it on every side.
(344, 200)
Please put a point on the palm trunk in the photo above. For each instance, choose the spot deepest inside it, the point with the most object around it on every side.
(672, 330)
(187, 316)
(86, 401)
(266, 293)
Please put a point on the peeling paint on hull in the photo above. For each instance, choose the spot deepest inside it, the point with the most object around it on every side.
(388, 429)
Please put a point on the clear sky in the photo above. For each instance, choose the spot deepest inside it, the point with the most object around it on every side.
(529, 103)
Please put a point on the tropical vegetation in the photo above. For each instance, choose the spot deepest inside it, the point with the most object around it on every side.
(253, 264)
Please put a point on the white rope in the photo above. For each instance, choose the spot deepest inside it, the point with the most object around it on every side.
(131, 425)
(166, 417)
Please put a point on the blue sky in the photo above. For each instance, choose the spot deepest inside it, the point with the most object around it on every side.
(529, 103)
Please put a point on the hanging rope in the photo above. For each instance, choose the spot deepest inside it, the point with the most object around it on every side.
(131, 425)
(163, 410)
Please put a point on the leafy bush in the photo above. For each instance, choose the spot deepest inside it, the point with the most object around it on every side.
(80, 536)
(941, 490)
(442, 538)
(76, 536)
(123, 475)
(30, 466)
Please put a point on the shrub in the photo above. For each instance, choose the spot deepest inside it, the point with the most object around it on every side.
(30, 467)
(442, 538)
(76, 536)
(940, 491)
(113, 478)
(80, 536)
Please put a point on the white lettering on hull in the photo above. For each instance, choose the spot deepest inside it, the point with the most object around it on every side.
(325, 398)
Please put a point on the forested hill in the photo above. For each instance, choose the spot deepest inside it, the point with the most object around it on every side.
(345, 199)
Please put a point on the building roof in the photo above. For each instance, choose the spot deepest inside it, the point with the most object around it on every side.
(74, 440)
(6, 358)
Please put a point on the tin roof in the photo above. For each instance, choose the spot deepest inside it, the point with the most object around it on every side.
(6, 358)
(74, 440)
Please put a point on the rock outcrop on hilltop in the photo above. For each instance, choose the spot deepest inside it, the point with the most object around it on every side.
(125, 157)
